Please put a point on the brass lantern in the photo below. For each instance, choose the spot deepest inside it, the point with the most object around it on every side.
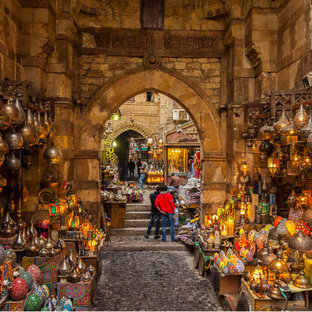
(282, 122)
(273, 164)
(278, 267)
(301, 118)
(301, 243)
(244, 167)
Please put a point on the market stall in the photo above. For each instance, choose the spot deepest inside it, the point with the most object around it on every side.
(181, 148)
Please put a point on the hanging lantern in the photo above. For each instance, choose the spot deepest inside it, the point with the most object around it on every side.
(304, 227)
(307, 162)
(115, 116)
(273, 164)
(149, 141)
(288, 130)
(266, 132)
(303, 199)
(244, 167)
(301, 118)
(306, 130)
(281, 123)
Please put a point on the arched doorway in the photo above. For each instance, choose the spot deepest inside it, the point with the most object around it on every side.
(190, 97)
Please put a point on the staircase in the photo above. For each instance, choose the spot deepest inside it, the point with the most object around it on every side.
(137, 220)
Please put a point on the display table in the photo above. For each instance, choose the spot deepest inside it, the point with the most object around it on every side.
(117, 213)
(225, 284)
(258, 303)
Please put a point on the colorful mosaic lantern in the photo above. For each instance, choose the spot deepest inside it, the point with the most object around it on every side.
(19, 289)
(28, 279)
(10, 255)
(291, 227)
(35, 273)
(277, 221)
(33, 303)
(304, 227)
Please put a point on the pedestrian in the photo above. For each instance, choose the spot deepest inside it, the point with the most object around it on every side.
(139, 165)
(144, 170)
(124, 171)
(131, 167)
(174, 182)
(165, 204)
(155, 215)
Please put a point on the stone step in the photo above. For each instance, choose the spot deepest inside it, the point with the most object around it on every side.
(150, 244)
(133, 231)
(138, 222)
(138, 207)
(138, 215)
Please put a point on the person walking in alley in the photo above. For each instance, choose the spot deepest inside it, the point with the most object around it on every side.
(143, 174)
(155, 215)
(131, 167)
(165, 204)
(139, 165)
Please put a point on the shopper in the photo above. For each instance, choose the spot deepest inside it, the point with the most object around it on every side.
(131, 167)
(175, 181)
(165, 204)
(155, 215)
(144, 170)
(139, 165)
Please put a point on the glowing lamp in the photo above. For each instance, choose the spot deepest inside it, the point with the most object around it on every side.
(115, 116)
(304, 227)
(257, 275)
(281, 123)
(301, 118)
(215, 218)
(303, 200)
(223, 229)
(291, 227)
(273, 165)
(244, 167)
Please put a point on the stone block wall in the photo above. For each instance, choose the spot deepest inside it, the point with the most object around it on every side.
(10, 25)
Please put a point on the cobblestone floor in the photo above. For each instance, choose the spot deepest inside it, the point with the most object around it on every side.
(153, 280)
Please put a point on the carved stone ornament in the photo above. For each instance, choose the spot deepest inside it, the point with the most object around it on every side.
(150, 60)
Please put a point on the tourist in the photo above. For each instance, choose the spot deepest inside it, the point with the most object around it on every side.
(143, 174)
(139, 165)
(165, 204)
(155, 215)
(131, 167)
(174, 182)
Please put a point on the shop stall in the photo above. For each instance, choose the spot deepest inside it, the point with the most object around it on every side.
(181, 152)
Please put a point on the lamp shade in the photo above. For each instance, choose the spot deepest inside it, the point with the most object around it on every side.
(278, 266)
(300, 242)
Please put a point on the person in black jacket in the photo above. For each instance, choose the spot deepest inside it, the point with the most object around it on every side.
(131, 167)
(155, 215)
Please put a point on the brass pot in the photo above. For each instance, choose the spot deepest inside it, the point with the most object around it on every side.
(4, 146)
(72, 259)
(7, 230)
(42, 241)
(86, 276)
(43, 252)
(19, 243)
(14, 139)
(64, 267)
(75, 275)
(81, 265)
(52, 155)
(32, 249)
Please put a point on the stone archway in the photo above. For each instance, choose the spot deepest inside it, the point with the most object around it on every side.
(119, 127)
(189, 95)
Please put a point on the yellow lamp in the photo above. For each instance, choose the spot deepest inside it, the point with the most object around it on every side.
(273, 165)
(244, 167)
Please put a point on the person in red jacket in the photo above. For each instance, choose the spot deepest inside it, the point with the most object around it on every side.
(165, 204)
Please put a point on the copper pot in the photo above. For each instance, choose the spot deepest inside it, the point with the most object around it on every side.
(75, 275)
(7, 230)
(64, 267)
(43, 252)
(86, 276)
(5, 121)
(29, 134)
(32, 249)
(19, 243)
(42, 241)
(81, 265)
(42, 128)
(72, 259)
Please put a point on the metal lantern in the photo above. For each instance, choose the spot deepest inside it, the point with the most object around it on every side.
(266, 132)
(273, 164)
(301, 118)
(244, 167)
(11, 111)
(14, 140)
(301, 243)
(306, 130)
(282, 122)
(5, 120)
(12, 162)
(52, 155)
(21, 116)
(43, 129)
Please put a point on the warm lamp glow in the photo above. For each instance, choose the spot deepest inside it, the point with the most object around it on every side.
(273, 165)
(115, 116)
(244, 167)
